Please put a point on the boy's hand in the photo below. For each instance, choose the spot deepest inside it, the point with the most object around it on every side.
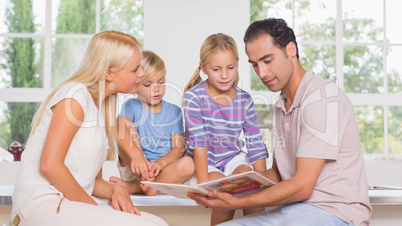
(157, 166)
(140, 166)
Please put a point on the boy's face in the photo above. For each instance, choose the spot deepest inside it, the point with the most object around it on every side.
(152, 91)
(274, 68)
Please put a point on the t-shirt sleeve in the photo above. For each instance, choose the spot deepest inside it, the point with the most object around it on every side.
(256, 148)
(127, 109)
(323, 123)
(178, 119)
(194, 122)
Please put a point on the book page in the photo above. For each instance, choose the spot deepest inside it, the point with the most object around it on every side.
(244, 183)
(177, 190)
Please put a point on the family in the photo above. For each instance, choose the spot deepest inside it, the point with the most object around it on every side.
(318, 168)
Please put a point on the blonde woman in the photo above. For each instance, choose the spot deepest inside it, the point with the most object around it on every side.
(61, 167)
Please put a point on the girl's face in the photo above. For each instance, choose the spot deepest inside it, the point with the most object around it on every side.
(128, 79)
(150, 93)
(221, 71)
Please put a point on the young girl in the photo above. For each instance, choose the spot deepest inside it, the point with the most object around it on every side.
(61, 166)
(216, 112)
(156, 127)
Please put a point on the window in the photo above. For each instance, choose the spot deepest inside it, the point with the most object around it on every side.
(42, 43)
(359, 49)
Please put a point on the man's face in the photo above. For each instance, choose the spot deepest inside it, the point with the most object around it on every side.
(271, 63)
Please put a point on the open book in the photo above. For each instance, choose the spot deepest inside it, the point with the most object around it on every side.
(238, 184)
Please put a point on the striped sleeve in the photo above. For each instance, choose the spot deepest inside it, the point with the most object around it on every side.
(256, 148)
(193, 121)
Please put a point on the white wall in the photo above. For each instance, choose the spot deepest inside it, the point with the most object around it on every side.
(177, 33)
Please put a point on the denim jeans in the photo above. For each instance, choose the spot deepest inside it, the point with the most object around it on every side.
(295, 214)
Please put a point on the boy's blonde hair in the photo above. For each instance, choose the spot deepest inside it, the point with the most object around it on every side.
(213, 44)
(151, 63)
(107, 50)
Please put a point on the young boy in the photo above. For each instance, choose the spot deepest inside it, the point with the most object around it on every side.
(152, 146)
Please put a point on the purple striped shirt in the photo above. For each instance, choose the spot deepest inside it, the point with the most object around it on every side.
(219, 127)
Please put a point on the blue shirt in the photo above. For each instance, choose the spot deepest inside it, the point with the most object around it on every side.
(154, 129)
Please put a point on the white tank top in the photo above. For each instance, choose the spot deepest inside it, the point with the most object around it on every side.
(84, 158)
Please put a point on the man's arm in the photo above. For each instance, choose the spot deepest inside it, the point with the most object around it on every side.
(297, 188)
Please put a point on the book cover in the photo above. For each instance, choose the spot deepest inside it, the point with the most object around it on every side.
(238, 184)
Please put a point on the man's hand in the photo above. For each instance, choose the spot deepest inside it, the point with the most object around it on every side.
(140, 166)
(121, 201)
(220, 200)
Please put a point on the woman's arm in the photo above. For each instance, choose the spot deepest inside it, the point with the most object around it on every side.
(67, 118)
(174, 154)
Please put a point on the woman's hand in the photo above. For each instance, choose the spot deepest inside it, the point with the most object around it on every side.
(121, 201)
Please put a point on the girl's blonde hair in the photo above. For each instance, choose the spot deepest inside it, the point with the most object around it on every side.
(107, 50)
(151, 63)
(213, 44)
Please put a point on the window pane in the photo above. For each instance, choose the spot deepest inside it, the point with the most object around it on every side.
(395, 129)
(256, 83)
(362, 24)
(21, 62)
(264, 120)
(15, 121)
(315, 20)
(67, 55)
(394, 69)
(125, 16)
(260, 9)
(394, 17)
(74, 16)
(321, 59)
(363, 69)
(25, 17)
(370, 120)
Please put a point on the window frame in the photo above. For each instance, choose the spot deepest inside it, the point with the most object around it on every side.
(384, 100)
(16, 94)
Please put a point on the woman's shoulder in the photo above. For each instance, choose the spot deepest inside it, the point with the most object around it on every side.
(75, 90)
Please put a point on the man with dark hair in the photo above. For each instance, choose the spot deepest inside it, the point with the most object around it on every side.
(318, 164)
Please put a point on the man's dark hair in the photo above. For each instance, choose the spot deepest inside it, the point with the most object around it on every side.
(276, 28)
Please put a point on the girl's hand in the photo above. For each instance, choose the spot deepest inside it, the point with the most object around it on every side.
(140, 166)
(121, 201)
(157, 166)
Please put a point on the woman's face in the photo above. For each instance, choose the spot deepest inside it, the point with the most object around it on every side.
(128, 79)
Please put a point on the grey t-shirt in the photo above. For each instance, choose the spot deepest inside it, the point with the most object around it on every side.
(321, 124)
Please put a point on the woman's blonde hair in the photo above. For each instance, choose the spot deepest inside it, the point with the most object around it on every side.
(213, 44)
(151, 63)
(107, 51)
